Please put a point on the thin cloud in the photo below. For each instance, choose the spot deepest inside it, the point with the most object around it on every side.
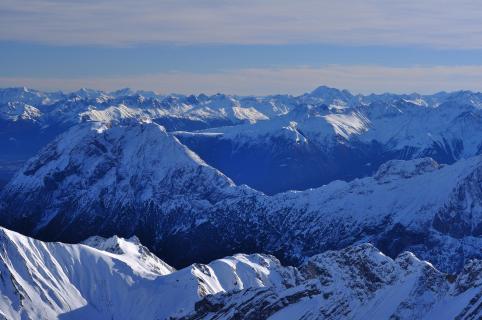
(358, 79)
(438, 23)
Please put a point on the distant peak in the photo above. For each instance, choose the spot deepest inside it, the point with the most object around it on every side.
(321, 90)
(114, 244)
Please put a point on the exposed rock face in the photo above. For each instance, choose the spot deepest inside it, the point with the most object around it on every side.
(356, 283)
(462, 216)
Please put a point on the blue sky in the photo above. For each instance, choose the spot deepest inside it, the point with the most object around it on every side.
(242, 47)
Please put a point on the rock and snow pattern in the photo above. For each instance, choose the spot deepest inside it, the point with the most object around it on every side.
(134, 178)
(118, 278)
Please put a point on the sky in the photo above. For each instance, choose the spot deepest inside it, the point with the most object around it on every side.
(242, 46)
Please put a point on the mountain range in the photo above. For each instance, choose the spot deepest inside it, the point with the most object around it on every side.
(134, 178)
(346, 189)
(272, 143)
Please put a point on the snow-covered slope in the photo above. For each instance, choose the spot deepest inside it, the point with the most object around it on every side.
(358, 283)
(117, 278)
(15, 111)
(418, 205)
(111, 178)
(135, 178)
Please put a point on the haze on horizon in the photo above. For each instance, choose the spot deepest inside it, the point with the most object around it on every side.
(242, 47)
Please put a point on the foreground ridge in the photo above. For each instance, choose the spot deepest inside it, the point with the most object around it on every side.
(120, 279)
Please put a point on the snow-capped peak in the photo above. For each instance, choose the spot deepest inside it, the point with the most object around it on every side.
(19, 111)
(131, 164)
(133, 252)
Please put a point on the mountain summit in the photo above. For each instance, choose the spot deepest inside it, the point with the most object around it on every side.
(124, 171)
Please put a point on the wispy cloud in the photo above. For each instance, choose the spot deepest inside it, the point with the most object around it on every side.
(361, 78)
(438, 23)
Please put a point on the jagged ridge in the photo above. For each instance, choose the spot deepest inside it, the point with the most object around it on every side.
(120, 279)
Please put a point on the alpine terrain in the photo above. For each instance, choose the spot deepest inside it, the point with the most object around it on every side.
(118, 278)
(326, 205)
